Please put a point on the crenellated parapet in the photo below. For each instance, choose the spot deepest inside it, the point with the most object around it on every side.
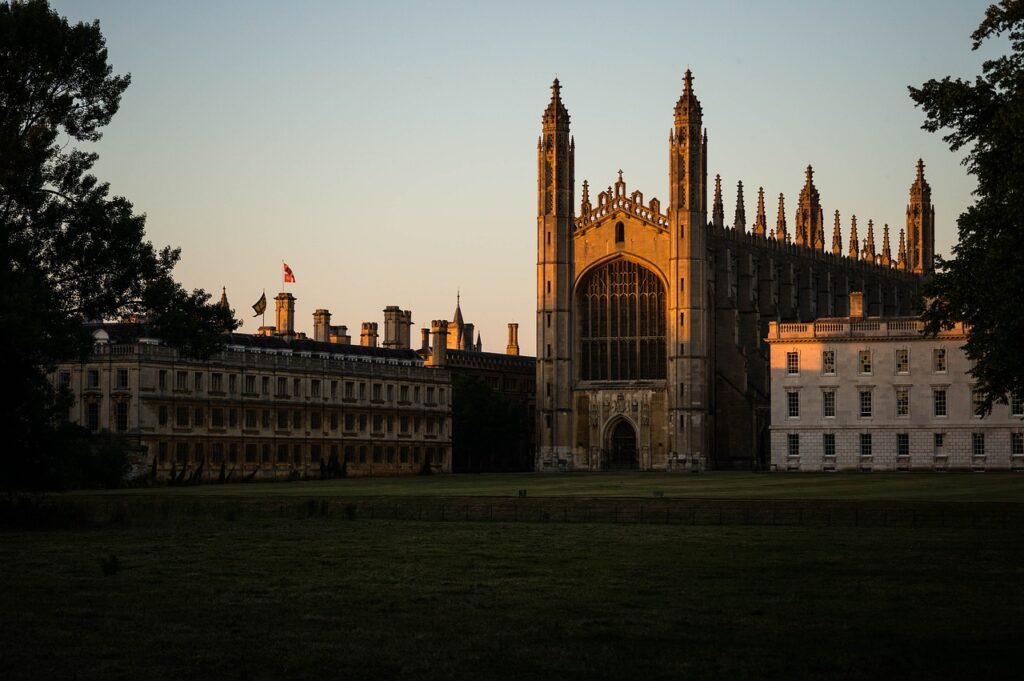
(615, 200)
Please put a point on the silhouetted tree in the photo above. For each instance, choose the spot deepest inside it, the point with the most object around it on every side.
(70, 252)
(980, 285)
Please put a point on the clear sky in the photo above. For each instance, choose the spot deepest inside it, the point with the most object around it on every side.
(387, 151)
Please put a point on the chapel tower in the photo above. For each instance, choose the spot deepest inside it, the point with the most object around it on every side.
(688, 333)
(555, 179)
(920, 225)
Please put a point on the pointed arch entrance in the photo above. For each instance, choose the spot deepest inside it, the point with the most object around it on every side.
(621, 447)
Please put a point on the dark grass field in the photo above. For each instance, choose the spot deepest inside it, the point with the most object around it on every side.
(278, 581)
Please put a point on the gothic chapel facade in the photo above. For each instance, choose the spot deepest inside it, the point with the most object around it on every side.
(651, 319)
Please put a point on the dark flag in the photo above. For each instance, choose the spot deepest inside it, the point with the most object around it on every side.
(261, 305)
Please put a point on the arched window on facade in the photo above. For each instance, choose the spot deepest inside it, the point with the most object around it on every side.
(621, 317)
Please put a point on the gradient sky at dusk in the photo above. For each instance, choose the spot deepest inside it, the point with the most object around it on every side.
(387, 151)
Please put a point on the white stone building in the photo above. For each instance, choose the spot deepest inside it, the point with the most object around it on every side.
(872, 393)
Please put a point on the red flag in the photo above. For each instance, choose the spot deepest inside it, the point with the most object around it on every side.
(289, 277)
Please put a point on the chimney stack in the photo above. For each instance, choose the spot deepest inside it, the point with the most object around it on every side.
(339, 335)
(392, 320)
(285, 314)
(857, 304)
(439, 343)
(405, 330)
(513, 339)
(322, 325)
(424, 339)
(368, 336)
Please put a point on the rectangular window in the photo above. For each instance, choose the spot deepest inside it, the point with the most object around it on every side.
(161, 380)
(198, 380)
(282, 453)
(250, 418)
(297, 387)
(377, 393)
(865, 444)
(939, 401)
(297, 419)
(122, 378)
(282, 387)
(391, 393)
(978, 444)
(217, 382)
(938, 441)
(122, 416)
(314, 388)
(902, 444)
(828, 362)
(828, 403)
(1017, 444)
(181, 380)
(217, 417)
(232, 383)
(92, 415)
(282, 419)
(350, 390)
(232, 418)
(162, 415)
(864, 361)
(265, 385)
(793, 444)
(1017, 405)
(250, 385)
(902, 361)
(792, 363)
(198, 416)
(939, 360)
(828, 444)
(902, 401)
(977, 403)
(865, 403)
(792, 404)
(181, 417)
(334, 390)
(265, 418)
(93, 378)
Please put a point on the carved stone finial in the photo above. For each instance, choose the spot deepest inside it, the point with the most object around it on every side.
(780, 220)
(739, 222)
(760, 223)
(854, 252)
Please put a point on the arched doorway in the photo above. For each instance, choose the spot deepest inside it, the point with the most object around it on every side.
(622, 447)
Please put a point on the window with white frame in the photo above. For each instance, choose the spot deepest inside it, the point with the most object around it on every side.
(977, 404)
(792, 363)
(1017, 444)
(828, 403)
(828, 362)
(978, 444)
(793, 444)
(939, 360)
(902, 401)
(902, 444)
(864, 361)
(1017, 404)
(828, 444)
(865, 403)
(902, 361)
(938, 442)
(939, 401)
(865, 444)
(792, 404)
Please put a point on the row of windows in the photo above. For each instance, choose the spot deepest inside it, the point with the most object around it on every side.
(295, 419)
(92, 379)
(295, 387)
(866, 403)
(866, 362)
(866, 442)
(294, 454)
(92, 416)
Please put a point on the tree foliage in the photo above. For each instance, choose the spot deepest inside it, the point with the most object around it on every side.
(980, 285)
(70, 250)
(490, 432)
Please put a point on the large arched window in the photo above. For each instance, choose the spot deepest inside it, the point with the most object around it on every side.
(621, 317)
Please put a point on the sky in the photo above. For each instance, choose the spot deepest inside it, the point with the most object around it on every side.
(387, 150)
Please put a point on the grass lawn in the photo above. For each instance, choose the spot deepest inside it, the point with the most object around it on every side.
(268, 597)
(990, 487)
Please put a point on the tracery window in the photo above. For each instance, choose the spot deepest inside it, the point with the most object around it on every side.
(622, 324)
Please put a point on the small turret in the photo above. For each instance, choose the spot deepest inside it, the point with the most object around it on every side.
(854, 252)
(717, 210)
(837, 238)
(780, 222)
(886, 259)
(760, 222)
(868, 252)
(901, 263)
(739, 222)
(513, 339)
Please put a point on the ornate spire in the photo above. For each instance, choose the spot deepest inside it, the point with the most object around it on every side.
(688, 108)
(868, 252)
(901, 263)
(780, 222)
(585, 204)
(886, 259)
(717, 211)
(224, 298)
(556, 116)
(854, 242)
(837, 238)
(920, 224)
(808, 214)
(739, 222)
(760, 222)
(457, 316)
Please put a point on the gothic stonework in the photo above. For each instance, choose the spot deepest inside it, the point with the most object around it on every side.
(651, 318)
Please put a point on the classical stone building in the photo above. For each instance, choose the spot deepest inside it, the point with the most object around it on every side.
(651, 317)
(872, 393)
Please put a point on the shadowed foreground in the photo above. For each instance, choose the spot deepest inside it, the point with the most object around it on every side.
(312, 591)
